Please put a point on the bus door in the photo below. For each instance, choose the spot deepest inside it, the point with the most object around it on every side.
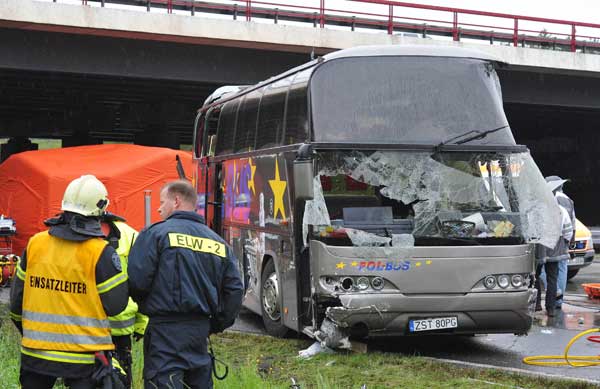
(214, 196)
(209, 171)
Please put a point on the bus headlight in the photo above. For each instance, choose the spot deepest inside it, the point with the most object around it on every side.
(503, 281)
(516, 280)
(362, 283)
(347, 284)
(489, 282)
(377, 283)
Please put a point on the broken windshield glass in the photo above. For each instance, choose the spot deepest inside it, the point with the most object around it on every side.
(378, 198)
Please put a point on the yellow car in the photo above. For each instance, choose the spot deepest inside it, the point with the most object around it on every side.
(582, 251)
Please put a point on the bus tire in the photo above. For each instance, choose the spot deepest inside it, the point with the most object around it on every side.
(270, 302)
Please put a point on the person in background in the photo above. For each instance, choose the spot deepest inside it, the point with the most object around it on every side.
(185, 278)
(67, 284)
(565, 201)
(129, 322)
(549, 259)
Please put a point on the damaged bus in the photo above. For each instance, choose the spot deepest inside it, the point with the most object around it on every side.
(375, 191)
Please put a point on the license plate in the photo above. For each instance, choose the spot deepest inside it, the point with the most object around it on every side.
(436, 323)
(576, 261)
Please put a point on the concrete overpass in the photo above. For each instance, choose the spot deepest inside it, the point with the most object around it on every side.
(87, 74)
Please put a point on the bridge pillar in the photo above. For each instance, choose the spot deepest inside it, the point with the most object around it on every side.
(158, 137)
(157, 132)
(82, 121)
(15, 145)
(80, 139)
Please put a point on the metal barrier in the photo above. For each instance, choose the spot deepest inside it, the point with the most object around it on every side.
(399, 17)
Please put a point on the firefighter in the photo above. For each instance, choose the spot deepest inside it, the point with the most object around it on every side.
(68, 282)
(129, 322)
(185, 278)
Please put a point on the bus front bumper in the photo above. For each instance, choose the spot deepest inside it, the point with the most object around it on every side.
(390, 314)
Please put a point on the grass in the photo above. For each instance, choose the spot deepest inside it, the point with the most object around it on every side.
(275, 361)
(265, 362)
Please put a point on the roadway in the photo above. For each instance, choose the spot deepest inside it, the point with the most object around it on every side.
(547, 337)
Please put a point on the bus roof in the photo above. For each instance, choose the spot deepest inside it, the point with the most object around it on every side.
(229, 92)
(410, 51)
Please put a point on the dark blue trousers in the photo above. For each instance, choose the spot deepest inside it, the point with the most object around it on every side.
(175, 355)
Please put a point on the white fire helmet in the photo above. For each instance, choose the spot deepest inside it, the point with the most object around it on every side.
(86, 196)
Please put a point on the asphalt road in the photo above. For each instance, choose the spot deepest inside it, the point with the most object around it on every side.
(504, 351)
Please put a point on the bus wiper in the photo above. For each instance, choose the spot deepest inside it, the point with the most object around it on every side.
(477, 134)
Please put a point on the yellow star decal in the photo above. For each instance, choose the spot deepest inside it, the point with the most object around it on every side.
(354, 264)
(340, 265)
(418, 264)
(251, 180)
(428, 262)
(278, 188)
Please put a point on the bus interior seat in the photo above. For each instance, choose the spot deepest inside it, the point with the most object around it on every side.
(336, 204)
(368, 215)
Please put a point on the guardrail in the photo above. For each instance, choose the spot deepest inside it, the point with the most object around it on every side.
(399, 17)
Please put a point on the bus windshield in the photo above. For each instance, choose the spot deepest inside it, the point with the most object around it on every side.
(387, 198)
(406, 100)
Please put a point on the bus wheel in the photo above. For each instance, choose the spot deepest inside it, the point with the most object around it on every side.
(270, 298)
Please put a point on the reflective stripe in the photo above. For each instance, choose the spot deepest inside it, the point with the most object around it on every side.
(59, 356)
(117, 324)
(67, 320)
(15, 317)
(64, 338)
(117, 365)
(111, 283)
(20, 272)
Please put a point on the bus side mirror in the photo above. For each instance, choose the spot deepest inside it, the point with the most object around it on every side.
(303, 173)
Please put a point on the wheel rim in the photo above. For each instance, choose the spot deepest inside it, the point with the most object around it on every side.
(270, 299)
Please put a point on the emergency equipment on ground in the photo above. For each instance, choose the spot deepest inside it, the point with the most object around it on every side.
(8, 265)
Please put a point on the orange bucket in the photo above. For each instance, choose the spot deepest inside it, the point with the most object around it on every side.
(592, 290)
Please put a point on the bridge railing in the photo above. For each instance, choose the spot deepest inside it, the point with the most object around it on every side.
(396, 17)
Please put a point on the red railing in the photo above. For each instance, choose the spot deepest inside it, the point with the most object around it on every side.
(396, 16)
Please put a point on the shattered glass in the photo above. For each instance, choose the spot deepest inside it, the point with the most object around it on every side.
(431, 199)
(315, 210)
(363, 238)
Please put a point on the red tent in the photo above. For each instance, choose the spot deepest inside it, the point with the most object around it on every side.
(33, 182)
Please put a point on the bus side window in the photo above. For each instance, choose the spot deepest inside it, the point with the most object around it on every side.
(246, 122)
(296, 117)
(212, 144)
(271, 115)
(210, 122)
(227, 127)
(199, 135)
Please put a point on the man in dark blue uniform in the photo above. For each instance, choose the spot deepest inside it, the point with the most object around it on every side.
(185, 278)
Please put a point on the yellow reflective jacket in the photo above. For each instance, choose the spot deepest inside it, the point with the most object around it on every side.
(62, 310)
(129, 320)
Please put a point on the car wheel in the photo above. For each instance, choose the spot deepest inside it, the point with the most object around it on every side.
(572, 273)
(270, 298)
